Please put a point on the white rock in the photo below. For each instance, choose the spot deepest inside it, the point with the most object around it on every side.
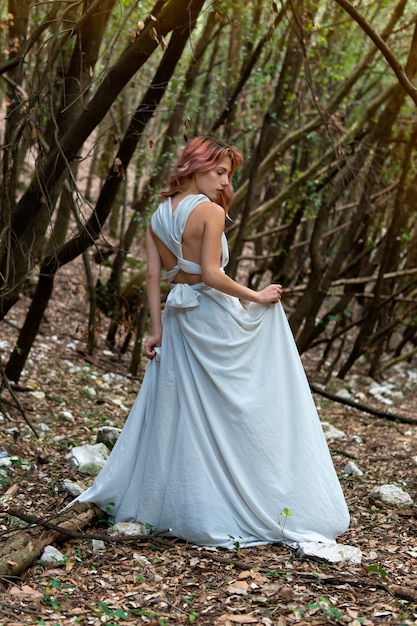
(89, 459)
(98, 545)
(330, 432)
(352, 469)
(66, 416)
(356, 439)
(90, 391)
(415, 460)
(52, 555)
(129, 529)
(142, 559)
(44, 428)
(72, 488)
(343, 393)
(379, 391)
(377, 388)
(391, 494)
(108, 435)
(39, 395)
(332, 552)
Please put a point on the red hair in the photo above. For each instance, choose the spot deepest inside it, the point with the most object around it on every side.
(200, 155)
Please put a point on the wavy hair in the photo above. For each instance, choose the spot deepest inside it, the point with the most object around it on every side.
(200, 155)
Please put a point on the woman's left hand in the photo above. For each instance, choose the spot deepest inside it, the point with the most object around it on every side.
(152, 342)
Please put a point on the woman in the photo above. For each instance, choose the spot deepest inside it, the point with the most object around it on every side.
(223, 444)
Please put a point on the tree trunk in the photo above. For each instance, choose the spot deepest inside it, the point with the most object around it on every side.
(24, 547)
(177, 14)
(161, 169)
(76, 246)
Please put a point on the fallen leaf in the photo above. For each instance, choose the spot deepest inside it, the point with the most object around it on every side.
(26, 591)
(237, 619)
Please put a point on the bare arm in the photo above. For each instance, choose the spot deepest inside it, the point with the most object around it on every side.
(153, 287)
(210, 263)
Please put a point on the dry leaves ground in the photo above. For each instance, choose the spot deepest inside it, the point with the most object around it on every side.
(170, 582)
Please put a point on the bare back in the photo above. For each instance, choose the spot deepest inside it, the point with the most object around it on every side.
(191, 242)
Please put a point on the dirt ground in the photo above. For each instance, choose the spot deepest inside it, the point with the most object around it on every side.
(164, 582)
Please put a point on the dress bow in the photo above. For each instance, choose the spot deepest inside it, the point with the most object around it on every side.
(183, 296)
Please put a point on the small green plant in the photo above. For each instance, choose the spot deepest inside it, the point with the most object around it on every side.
(378, 569)
(4, 478)
(104, 608)
(236, 542)
(48, 595)
(330, 612)
(285, 513)
(273, 573)
(189, 599)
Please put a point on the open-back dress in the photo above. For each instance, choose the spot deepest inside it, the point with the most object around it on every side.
(223, 444)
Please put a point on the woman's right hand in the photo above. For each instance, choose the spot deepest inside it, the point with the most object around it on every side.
(270, 294)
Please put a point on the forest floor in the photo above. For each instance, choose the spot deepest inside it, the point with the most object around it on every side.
(164, 582)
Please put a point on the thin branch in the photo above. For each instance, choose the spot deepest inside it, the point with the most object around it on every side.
(399, 71)
(39, 521)
(360, 280)
(391, 417)
(5, 383)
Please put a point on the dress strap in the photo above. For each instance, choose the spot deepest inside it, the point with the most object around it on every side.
(186, 266)
(169, 227)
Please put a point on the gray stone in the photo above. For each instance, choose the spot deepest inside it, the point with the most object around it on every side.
(391, 494)
(129, 529)
(98, 545)
(70, 487)
(344, 393)
(108, 435)
(66, 416)
(89, 459)
(330, 432)
(52, 555)
(333, 553)
(352, 469)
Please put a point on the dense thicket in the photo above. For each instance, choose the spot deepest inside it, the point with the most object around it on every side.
(98, 95)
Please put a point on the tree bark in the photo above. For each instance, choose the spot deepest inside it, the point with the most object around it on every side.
(76, 246)
(176, 14)
(23, 548)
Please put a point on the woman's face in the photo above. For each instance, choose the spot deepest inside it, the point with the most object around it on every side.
(214, 181)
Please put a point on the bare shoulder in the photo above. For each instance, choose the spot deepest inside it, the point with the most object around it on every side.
(210, 211)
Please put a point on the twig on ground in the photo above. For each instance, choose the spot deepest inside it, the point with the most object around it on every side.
(391, 417)
(38, 521)
(6, 384)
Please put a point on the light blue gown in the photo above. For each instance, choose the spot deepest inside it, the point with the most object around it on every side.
(223, 436)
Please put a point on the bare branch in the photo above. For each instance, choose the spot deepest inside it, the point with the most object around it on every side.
(393, 62)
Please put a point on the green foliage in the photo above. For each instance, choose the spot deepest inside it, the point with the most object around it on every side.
(378, 569)
(103, 608)
(329, 611)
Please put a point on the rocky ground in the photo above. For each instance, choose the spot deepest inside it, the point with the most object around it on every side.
(66, 397)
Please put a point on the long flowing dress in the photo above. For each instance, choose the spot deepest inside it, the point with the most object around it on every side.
(223, 444)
